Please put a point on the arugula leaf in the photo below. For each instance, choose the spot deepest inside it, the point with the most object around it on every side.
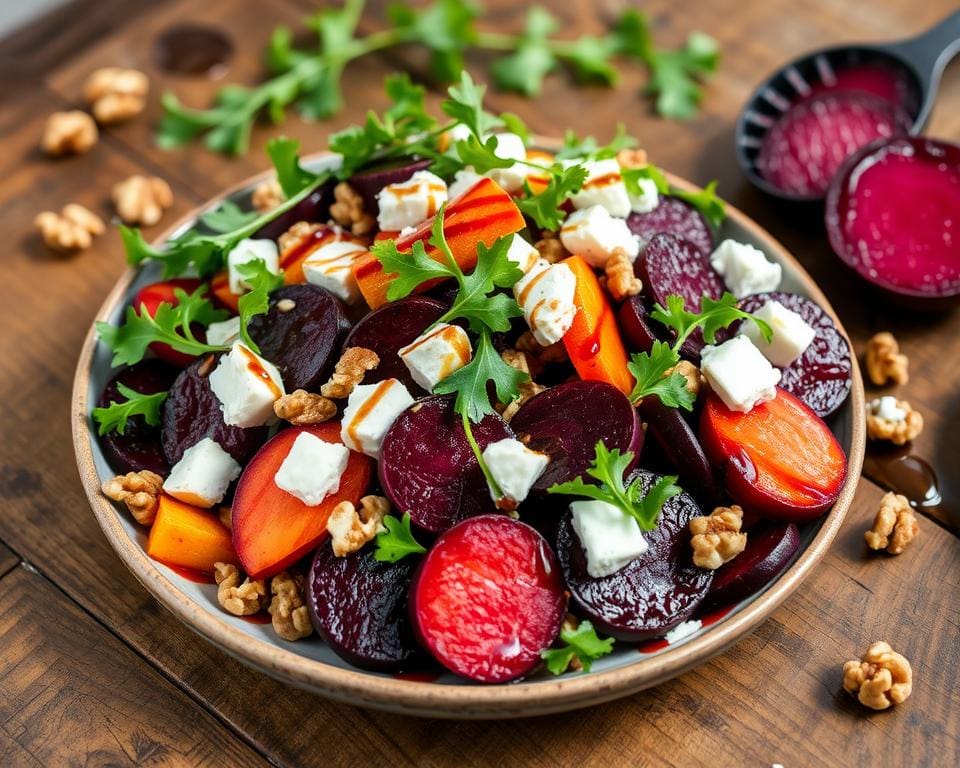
(465, 105)
(256, 301)
(226, 217)
(650, 371)
(713, 316)
(396, 541)
(473, 302)
(525, 69)
(407, 270)
(675, 75)
(705, 201)
(587, 148)
(544, 208)
(114, 416)
(582, 643)
(285, 154)
(632, 176)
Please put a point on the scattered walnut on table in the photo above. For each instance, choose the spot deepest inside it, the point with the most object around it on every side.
(240, 599)
(717, 538)
(301, 407)
(348, 210)
(350, 529)
(522, 362)
(632, 158)
(898, 431)
(267, 195)
(69, 133)
(884, 361)
(291, 620)
(142, 199)
(880, 679)
(550, 248)
(349, 371)
(116, 94)
(895, 525)
(621, 280)
(140, 491)
(555, 353)
(72, 229)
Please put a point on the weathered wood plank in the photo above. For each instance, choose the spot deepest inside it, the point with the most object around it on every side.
(8, 559)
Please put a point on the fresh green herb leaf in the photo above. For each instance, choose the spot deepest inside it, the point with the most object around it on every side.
(713, 316)
(650, 372)
(285, 154)
(632, 176)
(396, 541)
(590, 58)
(408, 270)
(262, 282)
(446, 27)
(482, 155)
(545, 208)
(465, 105)
(631, 35)
(114, 417)
(514, 124)
(582, 643)
(705, 201)
(587, 148)
(525, 69)
(675, 76)
(228, 216)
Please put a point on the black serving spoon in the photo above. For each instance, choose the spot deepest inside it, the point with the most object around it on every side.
(914, 67)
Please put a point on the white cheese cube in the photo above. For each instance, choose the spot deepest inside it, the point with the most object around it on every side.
(595, 235)
(648, 199)
(611, 538)
(312, 469)
(521, 253)
(515, 468)
(603, 186)
(202, 475)
(745, 269)
(330, 267)
(459, 132)
(545, 294)
(410, 202)
(463, 181)
(246, 251)
(509, 147)
(434, 355)
(223, 333)
(791, 333)
(886, 408)
(246, 386)
(739, 373)
(370, 412)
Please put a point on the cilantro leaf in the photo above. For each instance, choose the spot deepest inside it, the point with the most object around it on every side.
(589, 57)
(544, 208)
(525, 69)
(675, 75)
(227, 216)
(588, 148)
(582, 643)
(285, 154)
(445, 27)
(408, 270)
(465, 105)
(705, 201)
(257, 300)
(396, 541)
(113, 418)
(631, 35)
(482, 155)
(713, 316)
(650, 371)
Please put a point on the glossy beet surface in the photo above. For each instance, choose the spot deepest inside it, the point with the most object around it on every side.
(192, 412)
(316, 207)
(428, 469)
(370, 181)
(638, 330)
(892, 214)
(488, 598)
(822, 375)
(387, 329)
(359, 607)
(769, 551)
(139, 447)
(674, 217)
(652, 593)
(567, 421)
(303, 342)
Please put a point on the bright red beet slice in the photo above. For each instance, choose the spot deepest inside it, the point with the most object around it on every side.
(651, 594)
(822, 375)
(674, 217)
(893, 215)
(803, 150)
(488, 598)
(428, 469)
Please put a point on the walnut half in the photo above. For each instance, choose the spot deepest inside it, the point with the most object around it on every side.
(291, 619)
(348, 211)
(140, 491)
(73, 229)
(717, 538)
(893, 420)
(301, 407)
(142, 199)
(116, 94)
(350, 529)
(240, 599)
(895, 525)
(880, 679)
(621, 280)
(884, 361)
(349, 371)
(69, 133)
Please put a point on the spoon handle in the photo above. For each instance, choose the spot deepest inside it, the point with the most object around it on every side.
(930, 51)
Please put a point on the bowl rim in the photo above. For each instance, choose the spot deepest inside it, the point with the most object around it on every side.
(426, 698)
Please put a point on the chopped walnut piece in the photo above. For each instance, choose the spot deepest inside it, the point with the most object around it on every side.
(348, 211)
(632, 158)
(267, 195)
(72, 229)
(900, 430)
(240, 599)
(621, 281)
(140, 491)
(550, 248)
(350, 528)
(116, 94)
(301, 407)
(291, 620)
(884, 361)
(522, 362)
(895, 525)
(350, 370)
(690, 372)
(880, 679)
(297, 234)
(717, 538)
(69, 133)
(225, 514)
(555, 353)
(142, 199)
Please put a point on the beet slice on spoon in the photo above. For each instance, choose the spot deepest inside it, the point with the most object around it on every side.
(674, 216)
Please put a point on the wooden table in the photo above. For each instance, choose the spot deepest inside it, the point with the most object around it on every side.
(93, 671)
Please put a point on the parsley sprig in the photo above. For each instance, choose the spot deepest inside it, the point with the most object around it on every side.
(582, 643)
(256, 301)
(114, 417)
(396, 541)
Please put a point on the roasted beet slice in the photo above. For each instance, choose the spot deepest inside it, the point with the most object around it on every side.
(674, 217)
(822, 375)
(370, 181)
(567, 421)
(139, 446)
(488, 598)
(769, 551)
(639, 331)
(649, 595)
(315, 207)
(387, 329)
(359, 607)
(192, 412)
(303, 342)
(428, 469)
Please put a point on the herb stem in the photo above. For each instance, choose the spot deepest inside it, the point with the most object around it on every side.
(468, 431)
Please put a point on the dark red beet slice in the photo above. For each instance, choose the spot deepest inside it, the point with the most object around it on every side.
(316, 207)
(359, 607)
(488, 598)
(387, 329)
(637, 328)
(428, 469)
(803, 150)
(674, 217)
(892, 214)
(821, 376)
(567, 421)
(769, 551)
(370, 181)
(304, 342)
(139, 446)
(651, 594)
(192, 412)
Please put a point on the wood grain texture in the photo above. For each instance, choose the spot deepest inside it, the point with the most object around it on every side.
(8, 560)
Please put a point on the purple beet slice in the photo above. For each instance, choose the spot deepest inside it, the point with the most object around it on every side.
(387, 329)
(674, 216)
(139, 446)
(315, 207)
(192, 412)
(302, 342)
(636, 326)
(651, 594)
(359, 607)
(892, 214)
(822, 375)
(567, 421)
(370, 181)
(769, 551)
(428, 469)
